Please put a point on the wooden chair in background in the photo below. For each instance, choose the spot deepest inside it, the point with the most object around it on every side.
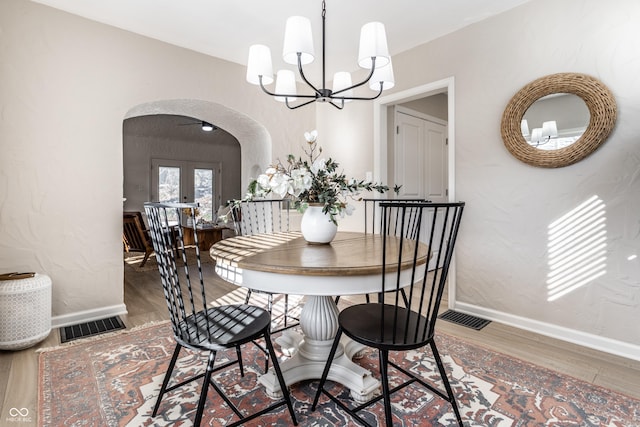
(135, 236)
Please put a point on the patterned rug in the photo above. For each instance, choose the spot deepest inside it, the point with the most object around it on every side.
(114, 381)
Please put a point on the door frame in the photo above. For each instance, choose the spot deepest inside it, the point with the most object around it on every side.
(381, 143)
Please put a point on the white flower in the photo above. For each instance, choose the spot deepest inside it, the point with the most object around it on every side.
(311, 136)
(318, 165)
(348, 209)
(300, 181)
(280, 184)
(263, 181)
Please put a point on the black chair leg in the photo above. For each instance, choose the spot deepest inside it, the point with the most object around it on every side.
(286, 309)
(205, 388)
(327, 366)
(239, 354)
(266, 361)
(264, 350)
(167, 377)
(383, 355)
(283, 385)
(270, 303)
(445, 381)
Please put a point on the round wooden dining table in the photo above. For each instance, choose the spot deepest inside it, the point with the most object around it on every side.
(285, 263)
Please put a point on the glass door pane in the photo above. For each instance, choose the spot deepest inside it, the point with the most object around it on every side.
(203, 180)
(168, 184)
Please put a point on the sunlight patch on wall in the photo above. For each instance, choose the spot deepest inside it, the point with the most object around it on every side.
(577, 248)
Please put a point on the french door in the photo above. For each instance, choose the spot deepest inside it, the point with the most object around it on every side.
(187, 181)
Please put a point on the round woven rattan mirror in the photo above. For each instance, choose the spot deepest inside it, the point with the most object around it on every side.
(599, 101)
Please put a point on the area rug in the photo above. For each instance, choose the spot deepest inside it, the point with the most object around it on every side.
(114, 381)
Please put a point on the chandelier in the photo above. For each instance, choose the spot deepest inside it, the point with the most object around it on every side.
(539, 136)
(298, 50)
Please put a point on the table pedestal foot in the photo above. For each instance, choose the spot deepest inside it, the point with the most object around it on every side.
(319, 323)
(298, 368)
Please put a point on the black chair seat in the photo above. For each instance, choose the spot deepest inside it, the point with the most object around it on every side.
(363, 323)
(227, 325)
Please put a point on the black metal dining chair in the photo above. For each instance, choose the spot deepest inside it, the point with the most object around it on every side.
(390, 326)
(265, 217)
(197, 324)
(373, 224)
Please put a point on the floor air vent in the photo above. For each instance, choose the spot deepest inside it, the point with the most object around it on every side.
(88, 329)
(464, 319)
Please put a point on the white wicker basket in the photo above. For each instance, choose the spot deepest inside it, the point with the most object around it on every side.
(25, 312)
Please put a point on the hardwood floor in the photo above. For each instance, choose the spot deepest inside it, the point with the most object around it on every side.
(145, 303)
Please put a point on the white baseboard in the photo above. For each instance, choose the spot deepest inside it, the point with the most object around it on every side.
(88, 315)
(604, 344)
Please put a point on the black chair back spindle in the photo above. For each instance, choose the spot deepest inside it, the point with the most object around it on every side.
(376, 223)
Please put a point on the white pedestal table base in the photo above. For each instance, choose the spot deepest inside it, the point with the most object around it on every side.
(319, 323)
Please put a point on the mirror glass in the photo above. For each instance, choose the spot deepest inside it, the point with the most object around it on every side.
(555, 121)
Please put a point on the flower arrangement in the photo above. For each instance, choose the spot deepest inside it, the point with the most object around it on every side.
(312, 181)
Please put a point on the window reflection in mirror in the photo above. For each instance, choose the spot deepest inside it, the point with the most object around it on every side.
(555, 121)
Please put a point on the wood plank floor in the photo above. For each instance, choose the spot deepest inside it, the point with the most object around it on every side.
(145, 303)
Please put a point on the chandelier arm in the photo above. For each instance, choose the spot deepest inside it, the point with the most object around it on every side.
(304, 78)
(290, 95)
(373, 68)
(359, 98)
(339, 107)
(293, 107)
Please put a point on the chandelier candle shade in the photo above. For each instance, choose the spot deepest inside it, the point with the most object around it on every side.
(298, 50)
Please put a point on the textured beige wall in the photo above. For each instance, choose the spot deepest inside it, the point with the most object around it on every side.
(503, 256)
(66, 84)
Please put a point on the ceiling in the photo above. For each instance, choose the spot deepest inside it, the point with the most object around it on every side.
(226, 28)
(174, 128)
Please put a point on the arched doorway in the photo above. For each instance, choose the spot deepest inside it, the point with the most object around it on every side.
(254, 139)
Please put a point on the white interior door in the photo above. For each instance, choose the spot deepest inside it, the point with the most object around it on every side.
(420, 158)
(409, 156)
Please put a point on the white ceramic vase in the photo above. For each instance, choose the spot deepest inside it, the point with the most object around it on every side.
(316, 226)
